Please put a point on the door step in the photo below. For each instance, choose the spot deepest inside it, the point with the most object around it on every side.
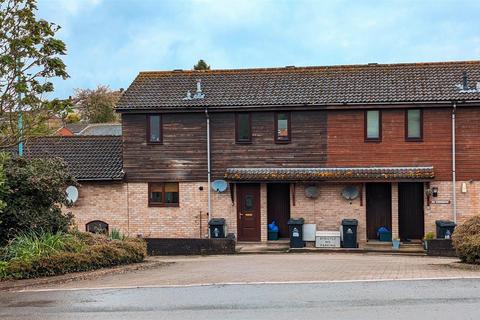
(279, 246)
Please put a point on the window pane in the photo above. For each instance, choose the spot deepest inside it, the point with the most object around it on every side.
(373, 124)
(154, 129)
(244, 127)
(248, 204)
(282, 126)
(414, 125)
(156, 191)
(171, 192)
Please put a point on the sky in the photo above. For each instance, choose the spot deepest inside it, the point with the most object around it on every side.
(110, 41)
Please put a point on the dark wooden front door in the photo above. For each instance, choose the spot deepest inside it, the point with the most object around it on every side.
(248, 212)
(410, 210)
(379, 208)
(278, 206)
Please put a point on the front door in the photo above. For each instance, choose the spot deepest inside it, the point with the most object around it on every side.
(410, 210)
(379, 208)
(278, 206)
(248, 212)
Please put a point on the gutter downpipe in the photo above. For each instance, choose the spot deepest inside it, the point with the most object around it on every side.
(454, 155)
(207, 116)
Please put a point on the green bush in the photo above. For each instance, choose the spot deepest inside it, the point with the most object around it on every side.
(466, 240)
(28, 246)
(78, 252)
(33, 192)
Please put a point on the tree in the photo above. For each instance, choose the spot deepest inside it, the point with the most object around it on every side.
(29, 59)
(98, 105)
(34, 195)
(201, 65)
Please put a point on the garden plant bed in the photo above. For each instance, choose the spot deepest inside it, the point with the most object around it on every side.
(40, 255)
(149, 263)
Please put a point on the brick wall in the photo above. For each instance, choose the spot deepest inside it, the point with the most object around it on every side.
(328, 210)
(467, 203)
(108, 201)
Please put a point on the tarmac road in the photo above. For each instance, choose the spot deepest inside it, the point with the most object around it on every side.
(400, 299)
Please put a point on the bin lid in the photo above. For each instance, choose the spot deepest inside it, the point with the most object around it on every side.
(445, 223)
(216, 222)
(296, 221)
(349, 222)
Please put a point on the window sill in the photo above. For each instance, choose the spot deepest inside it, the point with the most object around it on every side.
(373, 140)
(158, 205)
(413, 139)
(154, 143)
(243, 142)
(282, 141)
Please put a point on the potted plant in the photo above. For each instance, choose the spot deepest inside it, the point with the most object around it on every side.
(428, 236)
(396, 244)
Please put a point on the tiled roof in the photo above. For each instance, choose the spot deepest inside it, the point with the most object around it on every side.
(87, 157)
(373, 83)
(330, 174)
(102, 129)
(76, 127)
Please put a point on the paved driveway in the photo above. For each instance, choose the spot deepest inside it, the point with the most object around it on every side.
(279, 268)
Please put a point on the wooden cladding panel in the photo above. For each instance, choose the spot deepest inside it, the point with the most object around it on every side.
(468, 143)
(181, 157)
(346, 145)
(307, 147)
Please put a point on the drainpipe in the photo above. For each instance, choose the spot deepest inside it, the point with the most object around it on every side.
(208, 168)
(454, 177)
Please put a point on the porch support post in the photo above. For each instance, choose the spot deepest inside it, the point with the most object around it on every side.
(395, 233)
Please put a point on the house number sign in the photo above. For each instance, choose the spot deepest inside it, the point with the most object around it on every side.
(441, 201)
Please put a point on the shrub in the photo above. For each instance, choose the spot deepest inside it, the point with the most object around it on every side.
(95, 251)
(35, 193)
(429, 236)
(115, 234)
(466, 240)
(31, 245)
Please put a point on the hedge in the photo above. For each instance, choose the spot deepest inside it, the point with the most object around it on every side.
(466, 240)
(100, 254)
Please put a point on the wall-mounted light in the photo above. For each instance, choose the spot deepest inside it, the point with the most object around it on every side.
(435, 192)
(464, 187)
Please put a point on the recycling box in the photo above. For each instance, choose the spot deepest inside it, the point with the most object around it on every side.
(327, 239)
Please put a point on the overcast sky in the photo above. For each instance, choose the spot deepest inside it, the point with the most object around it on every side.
(110, 41)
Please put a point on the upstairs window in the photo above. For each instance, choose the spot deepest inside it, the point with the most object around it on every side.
(414, 124)
(154, 128)
(282, 127)
(163, 194)
(373, 125)
(243, 127)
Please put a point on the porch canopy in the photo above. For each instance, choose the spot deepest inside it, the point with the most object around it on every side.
(360, 174)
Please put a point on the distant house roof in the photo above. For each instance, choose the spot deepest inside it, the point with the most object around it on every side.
(304, 86)
(87, 157)
(102, 129)
(75, 128)
(330, 174)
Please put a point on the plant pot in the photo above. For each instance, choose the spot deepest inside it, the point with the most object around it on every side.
(425, 244)
(395, 244)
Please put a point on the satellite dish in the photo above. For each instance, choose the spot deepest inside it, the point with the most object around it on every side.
(72, 194)
(311, 192)
(219, 185)
(350, 192)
